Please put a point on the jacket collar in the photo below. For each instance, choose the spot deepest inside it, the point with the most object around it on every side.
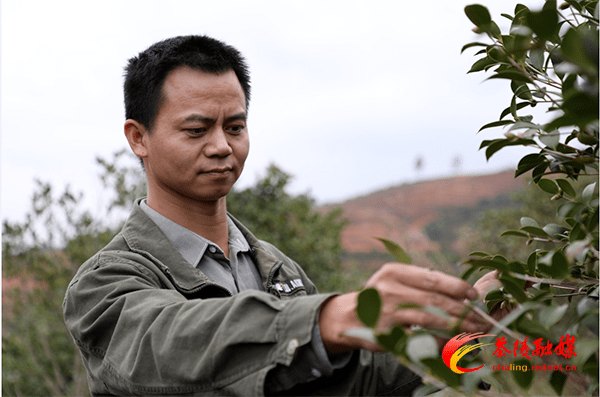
(144, 237)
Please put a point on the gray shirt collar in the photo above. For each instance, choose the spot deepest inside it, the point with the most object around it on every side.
(191, 245)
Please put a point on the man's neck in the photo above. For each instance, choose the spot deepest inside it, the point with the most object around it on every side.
(207, 219)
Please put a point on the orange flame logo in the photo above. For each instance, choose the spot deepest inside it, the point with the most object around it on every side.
(455, 349)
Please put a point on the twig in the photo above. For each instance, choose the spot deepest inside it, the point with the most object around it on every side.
(493, 321)
(567, 295)
(552, 281)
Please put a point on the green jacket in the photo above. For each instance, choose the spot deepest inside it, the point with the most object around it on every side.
(148, 323)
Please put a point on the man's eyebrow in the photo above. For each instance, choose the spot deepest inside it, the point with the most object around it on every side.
(199, 117)
(240, 116)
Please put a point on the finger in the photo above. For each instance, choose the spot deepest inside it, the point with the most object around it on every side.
(451, 306)
(409, 317)
(487, 283)
(430, 280)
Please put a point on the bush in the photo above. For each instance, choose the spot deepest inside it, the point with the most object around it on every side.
(550, 59)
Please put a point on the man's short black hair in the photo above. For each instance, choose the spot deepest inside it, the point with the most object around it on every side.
(146, 73)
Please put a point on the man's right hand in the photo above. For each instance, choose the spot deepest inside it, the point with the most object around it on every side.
(397, 284)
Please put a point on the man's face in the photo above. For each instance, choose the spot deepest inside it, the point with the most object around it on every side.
(199, 143)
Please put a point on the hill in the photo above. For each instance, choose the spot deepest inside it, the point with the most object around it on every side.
(402, 213)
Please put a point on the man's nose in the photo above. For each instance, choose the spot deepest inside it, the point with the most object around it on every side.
(217, 144)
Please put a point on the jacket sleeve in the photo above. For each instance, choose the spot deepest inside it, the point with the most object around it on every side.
(138, 337)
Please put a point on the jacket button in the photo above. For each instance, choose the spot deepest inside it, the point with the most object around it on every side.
(292, 346)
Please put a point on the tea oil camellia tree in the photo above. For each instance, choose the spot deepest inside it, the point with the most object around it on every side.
(549, 57)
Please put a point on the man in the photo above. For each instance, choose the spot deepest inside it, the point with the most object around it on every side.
(185, 300)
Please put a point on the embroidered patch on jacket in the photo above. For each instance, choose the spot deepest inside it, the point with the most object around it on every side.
(289, 286)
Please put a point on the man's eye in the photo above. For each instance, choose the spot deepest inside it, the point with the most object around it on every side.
(196, 130)
(236, 128)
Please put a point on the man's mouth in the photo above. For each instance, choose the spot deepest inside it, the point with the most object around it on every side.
(217, 171)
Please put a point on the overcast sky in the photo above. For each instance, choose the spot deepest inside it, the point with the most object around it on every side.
(347, 95)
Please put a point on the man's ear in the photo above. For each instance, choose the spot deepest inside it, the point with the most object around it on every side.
(136, 135)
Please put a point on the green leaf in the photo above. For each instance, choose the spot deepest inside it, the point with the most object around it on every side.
(557, 381)
(554, 264)
(568, 120)
(440, 369)
(513, 107)
(536, 231)
(526, 221)
(586, 138)
(474, 44)
(369, 307)
(591, 366)
(548, 185)
(586, 306)
(532, 263)
(362, 333)
(528, 162)
(479, 253)
(521, 90)
(585, 349)
(568, 210)
(394, 340)
(550, 315)
(581, 104)
(543, 23)
(554, 230)
(482, 64)
(395, 250)
(566, 187)
(519, 106)
(524, 124)
(501, 143)
(539, 171)
(536, 57)
(421, 346)
(551, 139)
(498, 54)
(511, 75)
(517, 267)
(588, 193)
(514, 315)
(550, 5)
(517, 233)
(487, 263)
(523, 378)
(575, 48)
(495, 295)
(577, 233)
(478, 14)
(495, 124)
(521, 11)
(467, 273)
(577, 250)
(592, 223)
(490, 305)
(532, 328)
(514, 286)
